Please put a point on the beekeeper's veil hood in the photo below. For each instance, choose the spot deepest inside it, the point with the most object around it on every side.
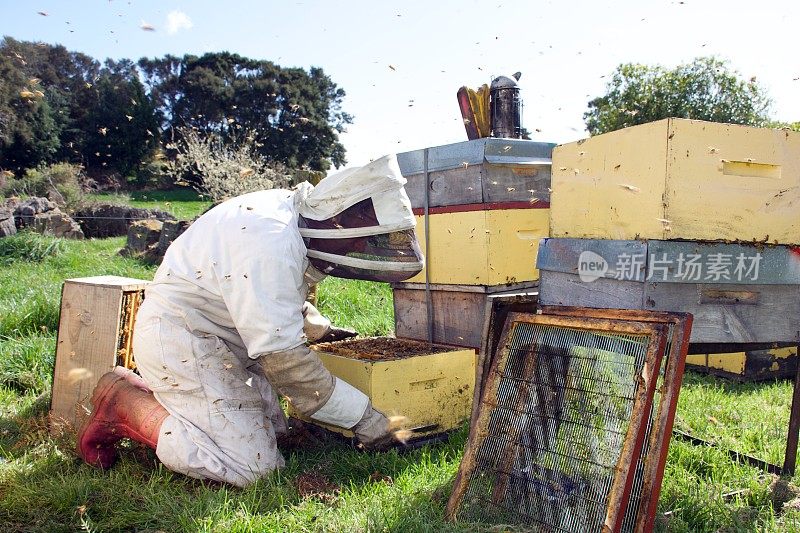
(358, 224)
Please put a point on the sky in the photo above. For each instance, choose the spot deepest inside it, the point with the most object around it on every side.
(401, 63)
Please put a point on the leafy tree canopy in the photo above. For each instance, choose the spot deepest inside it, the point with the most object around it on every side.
(57, 105)
(297, 115)
(704, 89)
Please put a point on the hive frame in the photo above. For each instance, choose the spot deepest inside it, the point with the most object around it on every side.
(653, 456)
(635, 435)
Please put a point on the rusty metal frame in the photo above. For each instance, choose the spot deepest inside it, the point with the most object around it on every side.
(790, 457)
(498, 306)
(632, 444)
(663, 415)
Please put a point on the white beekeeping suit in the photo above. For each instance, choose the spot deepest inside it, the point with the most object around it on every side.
(221, 328)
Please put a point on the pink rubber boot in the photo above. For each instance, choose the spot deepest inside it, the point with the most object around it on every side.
(121, 409)
(132, 377)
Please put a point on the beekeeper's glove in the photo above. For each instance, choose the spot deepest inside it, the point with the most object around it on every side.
(373, 430)
(299, 375)
(319, 329)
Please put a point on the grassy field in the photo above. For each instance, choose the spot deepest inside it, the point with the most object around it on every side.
(183, 203)
(45, 487)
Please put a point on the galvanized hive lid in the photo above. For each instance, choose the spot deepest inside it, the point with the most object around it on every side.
(479, 151)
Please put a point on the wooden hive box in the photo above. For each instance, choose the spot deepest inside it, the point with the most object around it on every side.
(481, 246)
(679, 179)
(458, 312)
(487, 207)
(738, 293)
(431, 385)
(95, 332)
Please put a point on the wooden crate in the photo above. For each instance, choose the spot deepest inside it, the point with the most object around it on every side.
(760, 305)
(458, 312)
(480, 244)
(752, 365)
(679, 179)
(478, 172)
(95, 331)
(433, 390)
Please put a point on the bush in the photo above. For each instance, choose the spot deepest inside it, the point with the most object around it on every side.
(29, 246)
(224, 169)
(153, 174)
(60, 183)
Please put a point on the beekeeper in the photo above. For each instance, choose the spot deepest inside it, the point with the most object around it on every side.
(222, 327)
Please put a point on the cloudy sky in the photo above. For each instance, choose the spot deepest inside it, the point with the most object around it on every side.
(401, 63)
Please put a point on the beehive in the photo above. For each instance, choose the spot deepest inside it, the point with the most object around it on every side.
(738, 293)
(481, 208)
(752, 365)
(95, 331)
(483, 171)
(458, 312)
(430, 385)
(679, 179)
(482, 246)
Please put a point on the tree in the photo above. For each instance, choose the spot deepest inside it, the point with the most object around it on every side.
(62, 105)
(65, 78)
(222, 170)
(704, 89)
(297, 115)
(161, 78)
(120, 128)
(29, 132)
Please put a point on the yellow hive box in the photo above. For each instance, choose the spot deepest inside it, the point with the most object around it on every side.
(432, 390)
(679, 179)
(482, 247)
(752, 365)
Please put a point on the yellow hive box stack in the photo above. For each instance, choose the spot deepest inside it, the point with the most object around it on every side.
(684, 215)
(679, 179)
(430, 386)
(482, 207)
(487, 208)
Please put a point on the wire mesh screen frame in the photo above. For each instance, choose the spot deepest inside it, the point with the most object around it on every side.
(641, 513)
(651, 339)
(498, 306)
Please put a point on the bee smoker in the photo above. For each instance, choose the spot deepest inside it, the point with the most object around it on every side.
(506, 107)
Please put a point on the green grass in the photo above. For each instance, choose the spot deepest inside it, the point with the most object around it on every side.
(183, 203)
(45, 487)
(363, 306)
(29, 247)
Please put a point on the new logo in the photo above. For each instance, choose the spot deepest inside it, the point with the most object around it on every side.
(591, 266)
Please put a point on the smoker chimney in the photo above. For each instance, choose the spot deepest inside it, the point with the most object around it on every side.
(506, 107)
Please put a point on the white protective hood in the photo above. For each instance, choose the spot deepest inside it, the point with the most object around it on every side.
(380, 180)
